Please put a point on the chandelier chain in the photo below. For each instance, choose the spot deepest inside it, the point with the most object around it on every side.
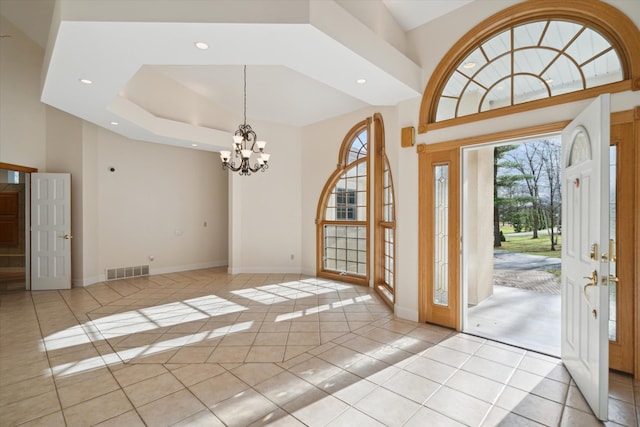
(245, 94)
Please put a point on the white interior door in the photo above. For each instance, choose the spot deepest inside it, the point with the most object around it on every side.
(585, 237)
(50, 231)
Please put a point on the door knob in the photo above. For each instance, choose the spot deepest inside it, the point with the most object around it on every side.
(613, 278)
(67, 237)
(593, 282)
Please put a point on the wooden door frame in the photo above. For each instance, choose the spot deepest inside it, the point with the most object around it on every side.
(453, 147)
(449, 315)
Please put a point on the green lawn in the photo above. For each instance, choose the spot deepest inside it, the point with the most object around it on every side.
(527, 245)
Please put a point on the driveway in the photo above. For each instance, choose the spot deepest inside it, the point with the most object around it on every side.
(503, 260)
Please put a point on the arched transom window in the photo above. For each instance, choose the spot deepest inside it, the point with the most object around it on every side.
(527, 62)
(532, 55)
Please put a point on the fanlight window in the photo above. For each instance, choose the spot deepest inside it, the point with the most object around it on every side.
(527, 62)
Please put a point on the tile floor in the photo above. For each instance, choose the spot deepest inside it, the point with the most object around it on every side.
(205, 348)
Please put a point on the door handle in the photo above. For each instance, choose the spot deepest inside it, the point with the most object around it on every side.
(593, 282)
(67, 237)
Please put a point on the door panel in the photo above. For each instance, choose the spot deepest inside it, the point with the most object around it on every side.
(585, 267)
(50, 231)
(439, 238)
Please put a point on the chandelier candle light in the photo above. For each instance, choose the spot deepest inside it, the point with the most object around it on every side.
(245, 143)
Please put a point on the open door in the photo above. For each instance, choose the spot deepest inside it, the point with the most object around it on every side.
(50, 231)
(585, 258)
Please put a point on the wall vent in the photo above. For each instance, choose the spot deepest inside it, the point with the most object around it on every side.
(126, 272)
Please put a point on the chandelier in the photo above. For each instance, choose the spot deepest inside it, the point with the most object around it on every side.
(245, 144)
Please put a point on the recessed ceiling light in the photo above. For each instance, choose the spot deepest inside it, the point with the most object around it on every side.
(194, 145)
(469, 65)
(202, 45)
(115, 123)
(361, 81)
(86, 81)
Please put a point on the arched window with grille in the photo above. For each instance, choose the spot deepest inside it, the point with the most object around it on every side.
(343, 212)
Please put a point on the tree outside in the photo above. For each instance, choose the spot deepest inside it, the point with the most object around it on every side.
(527, 191)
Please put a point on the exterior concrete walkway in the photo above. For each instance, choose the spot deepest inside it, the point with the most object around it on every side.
(524, 309)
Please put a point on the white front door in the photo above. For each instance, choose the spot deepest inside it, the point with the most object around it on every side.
(50, 231)
(585, 237)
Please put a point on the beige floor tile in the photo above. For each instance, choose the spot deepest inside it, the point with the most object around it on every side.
(170, 409)
(29, 409)
(488, 369)
(545, 368)
(283, 388)
(254, 373)
(219, 388)
(573, 417)
(204, 418)
(303, 338)
(91, 387)
(192, 355)
(152, 389)
(540, 386)
(271, 338)
(500, 417)
(530, 406)
(315, 370)
(229, 354)
(265, 353)
(622, 413)
(411, 386)
(304, 327)
(353, 417)
(475, 385)
(277, 418)
(97, 410)
(243, 408)
(132, 374)
(195, 373)
(458, 406)
(387, 407)
(347, 387)
(576, 400)
(238, 339)
(430, 369)
(25, 389)
(24, 372)
(128, 419)
(500, 355)
(315, 408)
(52, 420)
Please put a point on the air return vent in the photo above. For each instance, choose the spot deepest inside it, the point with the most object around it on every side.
(126, 272)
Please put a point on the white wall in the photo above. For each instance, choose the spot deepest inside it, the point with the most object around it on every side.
(265, 207)
(156, 203)
(22, 116)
